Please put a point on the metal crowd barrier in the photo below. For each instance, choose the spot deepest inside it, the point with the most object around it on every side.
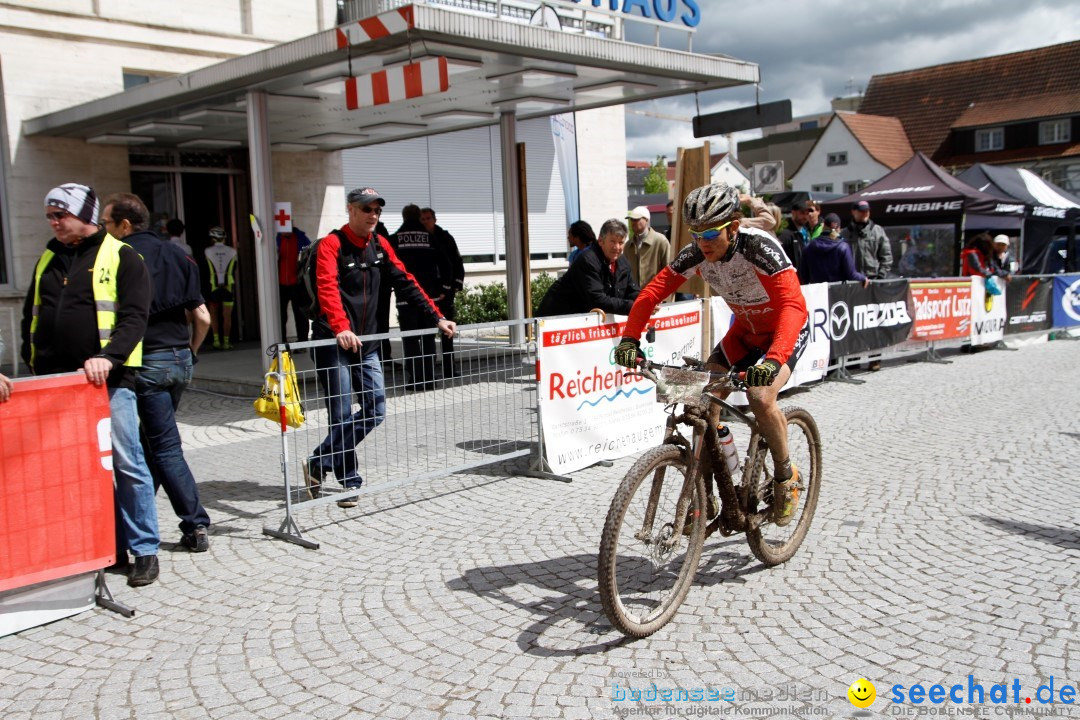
(484, 414)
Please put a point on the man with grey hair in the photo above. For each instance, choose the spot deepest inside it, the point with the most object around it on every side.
(86, 309)
(599, 279)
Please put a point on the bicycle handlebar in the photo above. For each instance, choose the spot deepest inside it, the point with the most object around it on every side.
(731, 380)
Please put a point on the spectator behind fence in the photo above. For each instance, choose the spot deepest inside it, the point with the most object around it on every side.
(828, 258)
(599, 279)
(580, 236)
(416, 248)
(1003, 256)
(804, 228)
(175, 228)
(351, 265)
(762, 216)
(221, 259)
(670, 212)
(446, 244)
(869, 244)
(169, 350)
(86, 309)
(289, 246)
(647, 251)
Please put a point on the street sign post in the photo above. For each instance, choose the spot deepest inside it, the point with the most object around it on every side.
(768, 177)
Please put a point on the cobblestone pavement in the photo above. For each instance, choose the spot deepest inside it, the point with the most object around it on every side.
(945, 544)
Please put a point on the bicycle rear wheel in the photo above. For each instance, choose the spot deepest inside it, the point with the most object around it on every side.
(771, 544)
(647, 562)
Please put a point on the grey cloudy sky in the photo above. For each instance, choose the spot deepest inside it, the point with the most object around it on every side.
(810, 52)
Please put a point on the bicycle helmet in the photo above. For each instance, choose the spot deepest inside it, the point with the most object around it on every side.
(710, 205)
(217, 232)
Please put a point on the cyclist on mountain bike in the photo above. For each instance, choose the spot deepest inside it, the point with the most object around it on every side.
(748, 268)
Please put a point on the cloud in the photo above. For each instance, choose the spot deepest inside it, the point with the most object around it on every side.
(812, 53)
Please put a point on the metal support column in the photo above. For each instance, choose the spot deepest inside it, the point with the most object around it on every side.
(262, 204)
(515, 262)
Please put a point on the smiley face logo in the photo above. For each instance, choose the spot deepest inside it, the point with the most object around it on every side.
(862, 693)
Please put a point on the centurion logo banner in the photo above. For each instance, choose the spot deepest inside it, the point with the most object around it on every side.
(590, 408)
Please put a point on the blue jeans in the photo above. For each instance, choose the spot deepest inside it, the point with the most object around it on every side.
(136, 511)
(342, 374)
(158, 386)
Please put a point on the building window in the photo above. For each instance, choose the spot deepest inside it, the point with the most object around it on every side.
(989, 139)
(808, 125)
(837, 158)
(824, 187)
(854, 186)
(1052, 132)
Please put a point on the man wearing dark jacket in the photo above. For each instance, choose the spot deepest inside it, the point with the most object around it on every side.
(804, 228)
(600, 278)
(350, 266)
(869, 244)
(169, 350)
(445, 242)
(86, 310)
(429, 265)
(828, 258)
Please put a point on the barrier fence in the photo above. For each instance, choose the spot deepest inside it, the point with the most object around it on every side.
(435, 421)
(558, 397)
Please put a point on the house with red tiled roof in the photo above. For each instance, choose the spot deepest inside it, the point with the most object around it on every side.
(855, 150)
(1020, 109)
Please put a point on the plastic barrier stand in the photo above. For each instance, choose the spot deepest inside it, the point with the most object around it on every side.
(56, 484)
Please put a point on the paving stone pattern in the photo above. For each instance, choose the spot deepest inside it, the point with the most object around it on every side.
(946, 543)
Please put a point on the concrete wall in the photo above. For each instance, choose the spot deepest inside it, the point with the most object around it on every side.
(601, 146)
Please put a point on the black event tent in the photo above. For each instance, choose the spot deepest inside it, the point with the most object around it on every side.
(1050, 211)
(918, 193)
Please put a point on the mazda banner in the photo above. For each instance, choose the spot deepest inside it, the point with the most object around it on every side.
(862, 319)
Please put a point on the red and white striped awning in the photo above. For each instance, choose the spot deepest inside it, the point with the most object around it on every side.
(398, 83)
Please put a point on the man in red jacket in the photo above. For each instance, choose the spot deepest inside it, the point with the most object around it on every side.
(350, 266)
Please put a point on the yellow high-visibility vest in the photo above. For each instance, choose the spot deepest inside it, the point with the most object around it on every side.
(106, 270)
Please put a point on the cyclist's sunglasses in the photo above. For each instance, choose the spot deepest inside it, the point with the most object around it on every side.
(711, 234)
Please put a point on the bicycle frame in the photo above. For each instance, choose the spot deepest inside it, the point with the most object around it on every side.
(705, 456)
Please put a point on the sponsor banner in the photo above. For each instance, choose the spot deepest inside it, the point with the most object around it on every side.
(869, 318)
(1027, 304)
(590, 410)
(987, 313)
(57, 489)
(942, 309)
(1066, 302)
(815, 358)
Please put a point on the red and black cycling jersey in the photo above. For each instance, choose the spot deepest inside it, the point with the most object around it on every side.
(755, 278)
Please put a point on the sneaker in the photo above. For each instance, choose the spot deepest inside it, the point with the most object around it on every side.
(217, 343)
(786, 499)
(349, 502)
(196, 540)
(312, 479)
(874, 366)
(144, 572)
(226, 345)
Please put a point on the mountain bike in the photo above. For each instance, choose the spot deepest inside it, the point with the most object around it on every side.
(666, 506)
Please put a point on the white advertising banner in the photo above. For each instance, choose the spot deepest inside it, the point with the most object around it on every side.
(815, 358)
(588, 410)
(987, 325)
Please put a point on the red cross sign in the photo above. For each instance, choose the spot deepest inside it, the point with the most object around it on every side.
(283, 217)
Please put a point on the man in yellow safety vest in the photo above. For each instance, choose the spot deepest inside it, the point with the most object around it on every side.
(86, 309)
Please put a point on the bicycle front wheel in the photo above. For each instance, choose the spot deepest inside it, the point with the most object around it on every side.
(771, 544)
(652, 542)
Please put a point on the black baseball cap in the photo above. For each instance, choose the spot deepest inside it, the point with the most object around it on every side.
(363, 196)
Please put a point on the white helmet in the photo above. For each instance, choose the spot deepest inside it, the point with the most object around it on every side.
(710, 205)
